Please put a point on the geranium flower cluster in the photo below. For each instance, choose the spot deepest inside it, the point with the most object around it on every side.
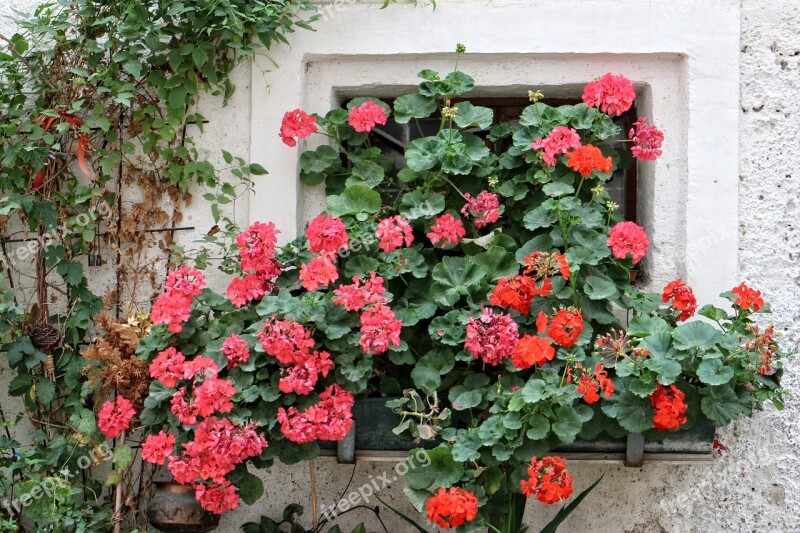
(548, 480)
(329, 419)
(617, 344)
(446, 231)
(115, 417)
(218, 446)
(587, 159)
(647, 140)
(203, 395)
(236, 350)
(453, 507)
(764, 345)
(256, 247)
(628, 238)
(291, 344)
(485, 208)
(681, 297)
(393, 233)
(356, 296)
(611, 93)
(518, 292)
(590, 384)
(747, 298)
(327, 236)
(380, 329)
(492, 337)
(173, 306)
(670, 407)
(366, 116)
(297, 125)
(559, 141)
(566, 327)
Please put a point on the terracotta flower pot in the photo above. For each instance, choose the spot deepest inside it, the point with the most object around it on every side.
(174, 509)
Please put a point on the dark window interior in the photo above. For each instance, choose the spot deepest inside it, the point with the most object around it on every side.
(622, 186)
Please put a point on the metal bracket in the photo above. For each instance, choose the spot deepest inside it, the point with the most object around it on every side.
(634, 450)
(346, 448)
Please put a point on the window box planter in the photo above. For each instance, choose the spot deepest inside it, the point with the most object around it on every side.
(371, 438)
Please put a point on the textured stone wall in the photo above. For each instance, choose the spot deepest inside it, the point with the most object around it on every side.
(755, 486)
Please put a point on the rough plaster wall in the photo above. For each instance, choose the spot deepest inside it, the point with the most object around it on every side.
(755, 486)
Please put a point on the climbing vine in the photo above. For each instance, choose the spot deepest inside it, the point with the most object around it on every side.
(96, 99)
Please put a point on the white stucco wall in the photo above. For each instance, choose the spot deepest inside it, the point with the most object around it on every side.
(756, 485)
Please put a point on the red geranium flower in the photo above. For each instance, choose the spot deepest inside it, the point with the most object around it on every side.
(612, 93)
(628, 238)
(485, 209)
(747, 297)
(565, 327)
(326, 234)
(532, 350)
(446, 231)
(682, 297)
(559, 141)
(156, 448)
(366, 116)
(647, 140)
(670, 407)
(297, 125)
(393, 232)
(449, 508)
(115, 417)
(587, 159)
(319, 272)
(492, 337)
(548, 480)
(518, 293)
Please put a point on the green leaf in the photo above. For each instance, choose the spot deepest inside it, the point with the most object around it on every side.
(466, 400)
(713, 313)
(567, 425)
(413, 106)
(459, 83)
(534, 391)
(257, 170)
(417, 205)
(557, 189)
(452, 277)
(695, 335)
(83, 421)
(442, 470)
(366, 173)
(720, 404)
(122, 456)
(641, 388)
(428, 370)
(423, 154)
(199, 57)
(597, 288)
(71, 271)
(133, 67)
(538, 427)
(355, 200)
(322, 159)
(540, 217)
(567, 510)
(496, 262)
(45, 390)
(471, 116)
(713, 372)
(467, 446)
(633, 413)
(251, 488)
(540, 243)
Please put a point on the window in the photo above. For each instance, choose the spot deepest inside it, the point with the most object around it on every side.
(393, 138)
